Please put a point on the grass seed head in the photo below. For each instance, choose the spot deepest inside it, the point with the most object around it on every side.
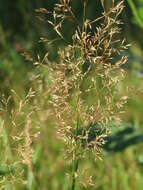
(84, 83)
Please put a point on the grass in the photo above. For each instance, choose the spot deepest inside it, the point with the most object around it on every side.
(32, 154)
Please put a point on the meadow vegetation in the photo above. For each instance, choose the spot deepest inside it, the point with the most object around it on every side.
(54, 125)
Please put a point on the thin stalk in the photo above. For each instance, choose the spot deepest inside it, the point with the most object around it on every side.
(74, 170)
(84, 15)
(135, 12)
(83, 31)
(75, 160)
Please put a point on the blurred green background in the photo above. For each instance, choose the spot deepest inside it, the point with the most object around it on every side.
(20, 31)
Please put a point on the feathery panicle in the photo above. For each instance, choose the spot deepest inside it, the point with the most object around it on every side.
(83, 87)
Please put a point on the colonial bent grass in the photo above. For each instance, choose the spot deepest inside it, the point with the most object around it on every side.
(82, 90)
(83, 87)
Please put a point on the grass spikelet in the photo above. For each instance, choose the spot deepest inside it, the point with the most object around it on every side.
(83, 88)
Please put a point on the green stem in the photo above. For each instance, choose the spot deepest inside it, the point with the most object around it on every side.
(83, 47)
(75, 168)
(135, 12)
(84, 15)
(75, 160)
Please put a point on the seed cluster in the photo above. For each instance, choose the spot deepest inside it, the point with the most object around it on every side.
(84, 83)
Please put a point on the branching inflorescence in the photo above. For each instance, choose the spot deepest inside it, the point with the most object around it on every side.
(84, 84)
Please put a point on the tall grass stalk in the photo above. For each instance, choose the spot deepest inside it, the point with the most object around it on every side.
(75, 160)
(83, 84)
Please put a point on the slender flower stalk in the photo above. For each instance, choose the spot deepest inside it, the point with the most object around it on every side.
(84, 83)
